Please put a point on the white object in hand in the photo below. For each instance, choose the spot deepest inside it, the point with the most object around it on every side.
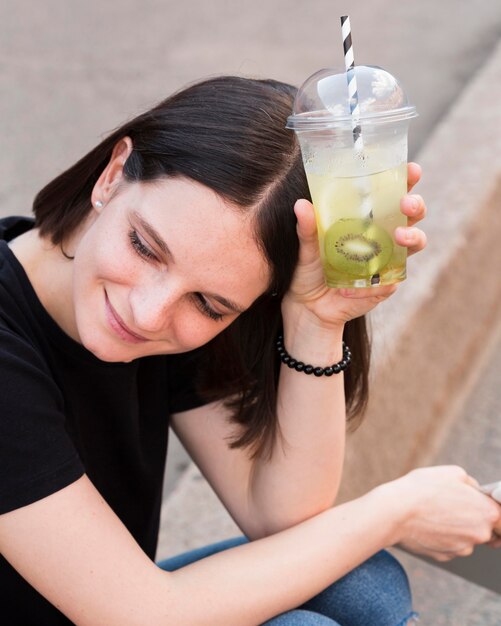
(493, 490)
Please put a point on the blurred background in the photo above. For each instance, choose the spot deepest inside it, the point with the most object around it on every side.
(72, 70)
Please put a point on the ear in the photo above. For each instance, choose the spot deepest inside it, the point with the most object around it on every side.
(112, 174)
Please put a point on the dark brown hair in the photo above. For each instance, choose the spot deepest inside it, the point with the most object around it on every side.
(229, 134)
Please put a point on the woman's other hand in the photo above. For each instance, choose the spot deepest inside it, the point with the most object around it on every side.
(332, 307)
(446, 515)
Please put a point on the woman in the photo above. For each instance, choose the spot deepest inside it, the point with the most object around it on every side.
(154, 282)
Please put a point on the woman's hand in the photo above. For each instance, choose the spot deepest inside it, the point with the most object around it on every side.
(446, 514)
(334, 307)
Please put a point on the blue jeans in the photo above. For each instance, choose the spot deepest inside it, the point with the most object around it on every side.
(376, 593)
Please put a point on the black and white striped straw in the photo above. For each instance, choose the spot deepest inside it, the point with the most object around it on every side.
(349, 61)
(358, 143)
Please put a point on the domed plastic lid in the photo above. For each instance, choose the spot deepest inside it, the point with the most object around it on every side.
(322, 101)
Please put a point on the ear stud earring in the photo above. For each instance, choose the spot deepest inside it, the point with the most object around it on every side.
(99, 204)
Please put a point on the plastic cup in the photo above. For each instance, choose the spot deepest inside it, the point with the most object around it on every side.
(356, 190)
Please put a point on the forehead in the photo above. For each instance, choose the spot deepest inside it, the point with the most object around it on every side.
(212, 241)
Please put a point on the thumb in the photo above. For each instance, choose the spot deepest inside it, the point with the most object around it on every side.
(306, 231)
(469, 480)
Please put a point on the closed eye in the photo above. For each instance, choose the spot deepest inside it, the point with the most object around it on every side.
(206, 309)
(140, 247)
(145, 252)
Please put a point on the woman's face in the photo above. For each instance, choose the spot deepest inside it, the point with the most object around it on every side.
(162, 268)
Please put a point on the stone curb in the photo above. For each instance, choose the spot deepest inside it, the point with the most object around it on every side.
(432, 336)
(192, 516)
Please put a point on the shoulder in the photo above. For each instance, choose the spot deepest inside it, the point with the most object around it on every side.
(15, 225)
(37, 456)
(21, 359)
(21, 335)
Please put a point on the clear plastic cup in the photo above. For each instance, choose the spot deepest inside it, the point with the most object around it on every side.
(356, 191)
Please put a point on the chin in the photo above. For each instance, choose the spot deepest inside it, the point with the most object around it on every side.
(103, 350)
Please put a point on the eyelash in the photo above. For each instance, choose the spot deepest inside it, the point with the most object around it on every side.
(146, 253)
(206, 309)
(139, 246)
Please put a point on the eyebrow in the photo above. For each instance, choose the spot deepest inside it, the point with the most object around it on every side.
(229, 304)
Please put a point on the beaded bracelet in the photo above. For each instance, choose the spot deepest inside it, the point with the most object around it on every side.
(299, 366)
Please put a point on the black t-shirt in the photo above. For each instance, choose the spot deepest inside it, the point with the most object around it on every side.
(64, 412)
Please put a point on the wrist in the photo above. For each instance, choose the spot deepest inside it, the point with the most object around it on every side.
(321, 349)
(309, 339)
(397, 507)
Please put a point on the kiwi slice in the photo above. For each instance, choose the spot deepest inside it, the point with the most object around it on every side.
(357, 247)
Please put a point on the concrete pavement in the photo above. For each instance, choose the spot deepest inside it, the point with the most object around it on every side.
(70, 72)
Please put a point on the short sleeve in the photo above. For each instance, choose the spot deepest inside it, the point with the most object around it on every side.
(37, 456)
(184, 374)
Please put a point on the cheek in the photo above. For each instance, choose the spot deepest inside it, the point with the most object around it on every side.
(105, 259)
(97, 265)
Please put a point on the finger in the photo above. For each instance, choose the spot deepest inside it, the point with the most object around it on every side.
(306, 231)
(442, 557)
(495, 542)
(413, 239)
(468, 551)
(414, 172)
(469, 480)
(378, 293)
(413, 206)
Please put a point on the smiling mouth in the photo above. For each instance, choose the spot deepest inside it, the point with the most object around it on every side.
(117, 325)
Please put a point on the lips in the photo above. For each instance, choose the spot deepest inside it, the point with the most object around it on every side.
(119, 327)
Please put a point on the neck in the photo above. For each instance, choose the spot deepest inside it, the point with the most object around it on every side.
(51, 275)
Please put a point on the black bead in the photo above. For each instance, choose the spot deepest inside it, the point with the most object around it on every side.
(299, 366)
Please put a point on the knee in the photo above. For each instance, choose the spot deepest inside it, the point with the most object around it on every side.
(385, 572)
(375, 593)
(386, 587)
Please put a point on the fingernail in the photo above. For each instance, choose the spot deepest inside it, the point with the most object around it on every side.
(414, 203)
(409, 235)
(404, 233)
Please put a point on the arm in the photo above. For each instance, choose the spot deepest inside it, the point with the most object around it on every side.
(303, 476)
(73, 549)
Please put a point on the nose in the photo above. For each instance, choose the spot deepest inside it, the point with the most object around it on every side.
(153, 306)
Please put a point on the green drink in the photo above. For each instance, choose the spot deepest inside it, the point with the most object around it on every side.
(354, 247)
(356, 192)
